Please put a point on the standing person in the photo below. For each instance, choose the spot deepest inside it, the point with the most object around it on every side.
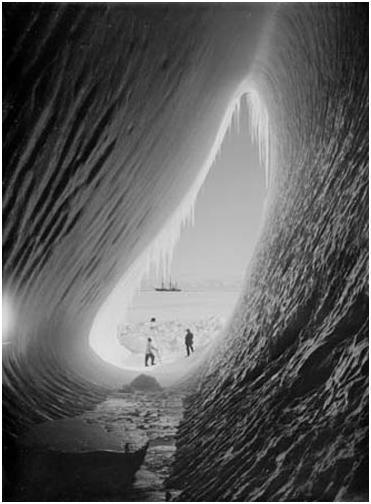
(153, 332)
(189, 342)
(149, 353)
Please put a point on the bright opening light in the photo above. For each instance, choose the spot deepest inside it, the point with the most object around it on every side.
(111, 336)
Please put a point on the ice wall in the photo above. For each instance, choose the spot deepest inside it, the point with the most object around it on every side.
(112, 116)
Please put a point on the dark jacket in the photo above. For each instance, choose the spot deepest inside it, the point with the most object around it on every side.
(189, 338)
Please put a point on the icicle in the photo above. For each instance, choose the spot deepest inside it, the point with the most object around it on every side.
(159, 254)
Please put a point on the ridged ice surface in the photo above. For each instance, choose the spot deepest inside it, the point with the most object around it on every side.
(113, 115)
(281, 412)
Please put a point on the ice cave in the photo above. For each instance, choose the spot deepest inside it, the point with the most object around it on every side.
(113, 116)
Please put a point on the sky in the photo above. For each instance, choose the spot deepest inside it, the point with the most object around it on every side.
(227, 215)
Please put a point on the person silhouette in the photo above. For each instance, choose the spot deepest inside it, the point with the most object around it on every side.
(150, 353)
(189, 342)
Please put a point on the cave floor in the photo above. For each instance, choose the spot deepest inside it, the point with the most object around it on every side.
(123, 423)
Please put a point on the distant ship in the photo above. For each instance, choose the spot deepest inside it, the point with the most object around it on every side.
(171, 287)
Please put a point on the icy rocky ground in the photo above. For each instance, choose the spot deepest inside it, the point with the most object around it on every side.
(145, 417)
(124, 422)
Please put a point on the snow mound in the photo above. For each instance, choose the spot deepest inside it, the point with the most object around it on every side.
(145, 383)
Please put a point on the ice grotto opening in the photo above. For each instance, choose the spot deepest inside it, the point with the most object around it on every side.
(206, 269)
(107, 108)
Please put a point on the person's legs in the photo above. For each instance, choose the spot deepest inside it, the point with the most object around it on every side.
(188, 352)
(146, 360)
(152, 359)
(191, 346)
